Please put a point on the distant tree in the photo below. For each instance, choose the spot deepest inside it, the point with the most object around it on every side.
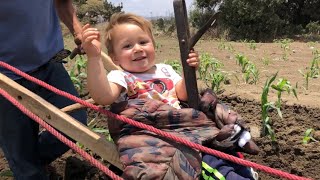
(258, 20)
(311, 8)
(90, 10)
(255, 20)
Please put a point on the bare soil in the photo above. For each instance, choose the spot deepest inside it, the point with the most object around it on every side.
(288, 153)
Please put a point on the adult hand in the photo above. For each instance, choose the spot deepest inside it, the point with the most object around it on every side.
(78, 42)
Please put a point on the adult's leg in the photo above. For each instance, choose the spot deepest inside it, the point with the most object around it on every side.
(19, 141)
(55, 74)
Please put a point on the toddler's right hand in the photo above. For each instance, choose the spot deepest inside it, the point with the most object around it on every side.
(91, 41)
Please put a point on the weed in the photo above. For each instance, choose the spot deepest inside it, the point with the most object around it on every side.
(308, 136)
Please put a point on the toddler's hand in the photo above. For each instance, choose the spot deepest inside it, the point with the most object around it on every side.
(91, 41)
(193, 59)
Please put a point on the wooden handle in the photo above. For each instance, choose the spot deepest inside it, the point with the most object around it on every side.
(108, 63)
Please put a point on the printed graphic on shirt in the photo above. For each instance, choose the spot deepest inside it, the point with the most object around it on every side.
(160, 85)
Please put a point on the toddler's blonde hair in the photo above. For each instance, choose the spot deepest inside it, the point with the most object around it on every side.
(125, 18)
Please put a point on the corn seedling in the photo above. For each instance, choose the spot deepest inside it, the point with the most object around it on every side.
(251, 73)
(315, 64)
(216, 80)
(306, 77)
(252, 45)
(266, 61)
(78, 73)
(265, 107)
(284, 44)
(176, 65)
(308, 136)
(208, 64)
(223, 45)
(283, 85)
(243, 62)
(313, 71)
(209, 72)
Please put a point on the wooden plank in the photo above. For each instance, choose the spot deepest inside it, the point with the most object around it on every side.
(62, 121)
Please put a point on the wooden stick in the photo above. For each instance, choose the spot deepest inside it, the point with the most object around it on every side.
(76, 106)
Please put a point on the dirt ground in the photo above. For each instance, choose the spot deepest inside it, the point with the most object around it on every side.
(288, 153)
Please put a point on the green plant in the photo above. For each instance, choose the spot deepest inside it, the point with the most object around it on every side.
(252, 45)
(209, 72)
(243, 61)
(252, 73)
(265, 107)
(216, 80)
(176, 65)
(93, 125)
(78, 73)
(313, 71)
(282, 86)
(308, 136)
(313, 28)
(6, 174)
(266, 61)
(285, 45)
(306, 77)
(223, 45)
(208, 64)
(314, 68)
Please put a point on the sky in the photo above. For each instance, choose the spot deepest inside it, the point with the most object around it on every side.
(149, 8)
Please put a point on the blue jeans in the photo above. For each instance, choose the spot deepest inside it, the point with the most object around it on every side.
(26, 150)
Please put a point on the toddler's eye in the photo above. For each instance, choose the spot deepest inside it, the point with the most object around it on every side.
(143, 42)
(127, 46)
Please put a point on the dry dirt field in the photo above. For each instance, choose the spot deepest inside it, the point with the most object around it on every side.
(288, 153)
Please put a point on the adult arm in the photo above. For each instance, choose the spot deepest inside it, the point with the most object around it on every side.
(67, 15)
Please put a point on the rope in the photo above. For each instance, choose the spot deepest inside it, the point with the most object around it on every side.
(157, 131)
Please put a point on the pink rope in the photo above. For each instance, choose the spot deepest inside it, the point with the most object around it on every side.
(157, 131)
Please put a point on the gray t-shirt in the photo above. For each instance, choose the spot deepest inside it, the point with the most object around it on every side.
(30, 34)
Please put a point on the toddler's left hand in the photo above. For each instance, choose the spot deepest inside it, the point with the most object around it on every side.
(193, 59)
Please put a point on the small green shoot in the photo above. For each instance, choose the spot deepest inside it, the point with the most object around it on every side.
(283, 85)
(308, 136)
(78, 73)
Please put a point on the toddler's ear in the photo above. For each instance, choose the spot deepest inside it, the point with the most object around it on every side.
(114, 60)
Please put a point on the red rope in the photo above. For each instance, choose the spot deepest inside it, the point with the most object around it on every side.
(157, 131)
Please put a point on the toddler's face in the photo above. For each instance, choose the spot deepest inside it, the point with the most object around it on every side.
(133, 49)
